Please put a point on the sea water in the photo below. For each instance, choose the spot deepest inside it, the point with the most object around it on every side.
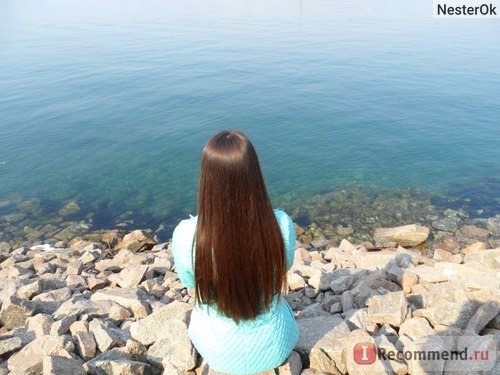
(109, 103)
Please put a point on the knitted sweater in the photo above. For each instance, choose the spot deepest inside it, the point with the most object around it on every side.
(251, 346)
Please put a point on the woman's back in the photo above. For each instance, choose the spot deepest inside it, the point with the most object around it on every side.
(235, 254)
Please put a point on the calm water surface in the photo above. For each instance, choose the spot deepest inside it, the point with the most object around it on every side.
(108, 103)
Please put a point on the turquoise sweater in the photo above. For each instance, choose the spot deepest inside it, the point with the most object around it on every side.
(249, 347)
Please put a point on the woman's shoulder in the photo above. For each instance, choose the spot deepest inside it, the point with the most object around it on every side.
(186, 227)
(282, 217)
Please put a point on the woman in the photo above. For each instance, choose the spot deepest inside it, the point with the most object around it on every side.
(235, 254)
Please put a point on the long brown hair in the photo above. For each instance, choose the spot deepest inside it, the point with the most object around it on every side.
(240, 256)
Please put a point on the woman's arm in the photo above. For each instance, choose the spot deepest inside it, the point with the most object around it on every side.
(182, 250)
(288, 232)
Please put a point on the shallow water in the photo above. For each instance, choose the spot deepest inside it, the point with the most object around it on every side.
(108, 103)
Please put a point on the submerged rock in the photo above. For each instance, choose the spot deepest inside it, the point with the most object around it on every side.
(407, 235)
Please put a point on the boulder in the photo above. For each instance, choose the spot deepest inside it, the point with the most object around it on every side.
(311, 330)
(390, 308)
(482, 317)
(151, 328)
(426, 358)
(407, 235)
(57, 365)
(328, 352)
(173, 349)
(487, 258)
(133, 299)
(29, 359)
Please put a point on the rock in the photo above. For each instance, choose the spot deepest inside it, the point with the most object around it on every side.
(341, 284)
(134, 299)
(408, 235)
(415, 328)
(61, 326)
(493, 225)
(476, 246)
(328, 353)
(449, 314)
(112, 237)
(85, 344)
(174, 349)
(57, 365)
(426, 361)
(320, 280)
(373, 260)
(346, 247)
(474, 355)
(428, 274)
(69, 209)
(470, 276)
(311, 330)
(482, 317)
(487, 258)
(295, 281)
(447, 224)
(442, 255)
(347, 300)
(15, 311)
(117, 366)
(390, 308)
(107, 338)
(473, 231)
(388, 356)
(29, 359)
(360, 347)
(312, 311)
(131, 276)
(151, 328)
(4, 248)
(118, 312)
(9, 345)
(292, 365)
(137, 240)
(39, 324)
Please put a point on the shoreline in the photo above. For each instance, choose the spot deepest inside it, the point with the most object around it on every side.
(351, 212)
(112, 302)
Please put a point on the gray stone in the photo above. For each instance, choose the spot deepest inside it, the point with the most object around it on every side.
(451, 314)
(15, 311)
(311, 330)
(4, 248)
(131, 276)
(295, 281)
(85, 344)
(151, 328)
(427, 361)
(447, 224)
(9, 345)
(107, 338)
(487, 258)
(407, 235)
(353, 344)
(61, 326)
(39, 324)
(341, 284)
(133, 299)
(493, 225)
(312, 311)
(474, 232)
(390, 308)
(292, 365)
(347, 300)
(428, 274)
(328, 352)
(29, 359)
(320, 280)
(174, 349)
(117, 366)
(480, 356)
(470, 276)
(482, 317)
(415, 328)
(57, 365)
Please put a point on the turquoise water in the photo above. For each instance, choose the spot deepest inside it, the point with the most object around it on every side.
(109, 103)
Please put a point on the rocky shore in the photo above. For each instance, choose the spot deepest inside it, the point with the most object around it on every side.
(111, 303)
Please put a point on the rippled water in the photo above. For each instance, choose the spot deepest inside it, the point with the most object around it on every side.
(108, 103)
